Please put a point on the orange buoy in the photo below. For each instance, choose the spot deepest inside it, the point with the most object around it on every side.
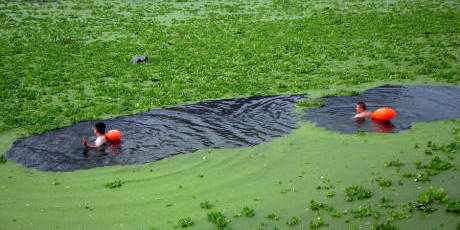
(383, 114)
(113, 135)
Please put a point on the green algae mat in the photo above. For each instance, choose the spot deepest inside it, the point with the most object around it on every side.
(66, 61)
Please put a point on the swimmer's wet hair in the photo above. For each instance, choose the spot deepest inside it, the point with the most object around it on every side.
(362, 105)
(100, 127)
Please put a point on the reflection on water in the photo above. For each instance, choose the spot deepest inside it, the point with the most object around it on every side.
(383, 126)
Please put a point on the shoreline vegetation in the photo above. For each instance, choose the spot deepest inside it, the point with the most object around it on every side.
(66, 61)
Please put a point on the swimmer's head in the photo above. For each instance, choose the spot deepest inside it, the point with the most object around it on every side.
(99, 128)
(360, 107)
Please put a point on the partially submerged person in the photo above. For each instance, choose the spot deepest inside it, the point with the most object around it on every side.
(99, 131)
(361, 111)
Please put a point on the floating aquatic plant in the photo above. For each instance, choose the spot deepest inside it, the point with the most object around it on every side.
(385, 226)
(115, 184)
(316, 206)
(357, 192)
(293, 221)
(435, 166)
(365, 211)
(426, 199)
(248, 212)
(330, 193)
(385, 203)
(393, 163)
(272, 216)
(3, 159)
(453, 206)
(219, 219)
(359, 132)
(317, 222)
(383, 182)
(205, 205)
(184, 222)
(304, 103)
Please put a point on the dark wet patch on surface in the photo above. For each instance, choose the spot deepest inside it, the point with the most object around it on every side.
(162, 133)
(420, 103)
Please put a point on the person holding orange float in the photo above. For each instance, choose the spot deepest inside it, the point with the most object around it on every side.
(99, 131)
(361, 111)
(382, 114)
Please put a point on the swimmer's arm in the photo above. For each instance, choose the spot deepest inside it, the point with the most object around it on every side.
(85, 143)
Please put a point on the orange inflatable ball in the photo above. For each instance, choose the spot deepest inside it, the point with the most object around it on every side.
(113, 135)
(383, 114)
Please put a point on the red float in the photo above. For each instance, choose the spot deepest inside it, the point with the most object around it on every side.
(383, 114)
(113, 135)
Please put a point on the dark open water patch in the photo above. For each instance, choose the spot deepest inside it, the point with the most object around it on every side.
(162, 133)
(412, 104)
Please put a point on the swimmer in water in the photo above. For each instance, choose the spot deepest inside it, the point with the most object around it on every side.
(99, 131)
(361, 111)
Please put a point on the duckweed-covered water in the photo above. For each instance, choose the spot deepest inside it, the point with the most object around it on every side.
(161, 133)
(420, 103)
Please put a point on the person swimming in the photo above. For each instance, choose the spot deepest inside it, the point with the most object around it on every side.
(361, 112)
(99, 131)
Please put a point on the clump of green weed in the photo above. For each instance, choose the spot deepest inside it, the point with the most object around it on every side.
(219, 219)
(453, 206)
(426, 199)
(330, 193)
(249, 212)
(115, 184)
(365, 211)
(205, 205)
(385, 226)
(304, 103)
(401, 214)
(357, 192)
(317, 222)
(327, 185)
(262, 225)
(3, 159)
(384, 183)
(333, 212)
(417, 177)
(385, 203)
(359, 132)
(428, 152)
(451, 147)
(184, 222)
(272, 216)
(435, 166)
(293, 221)
(316, 206)
(393, 163)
